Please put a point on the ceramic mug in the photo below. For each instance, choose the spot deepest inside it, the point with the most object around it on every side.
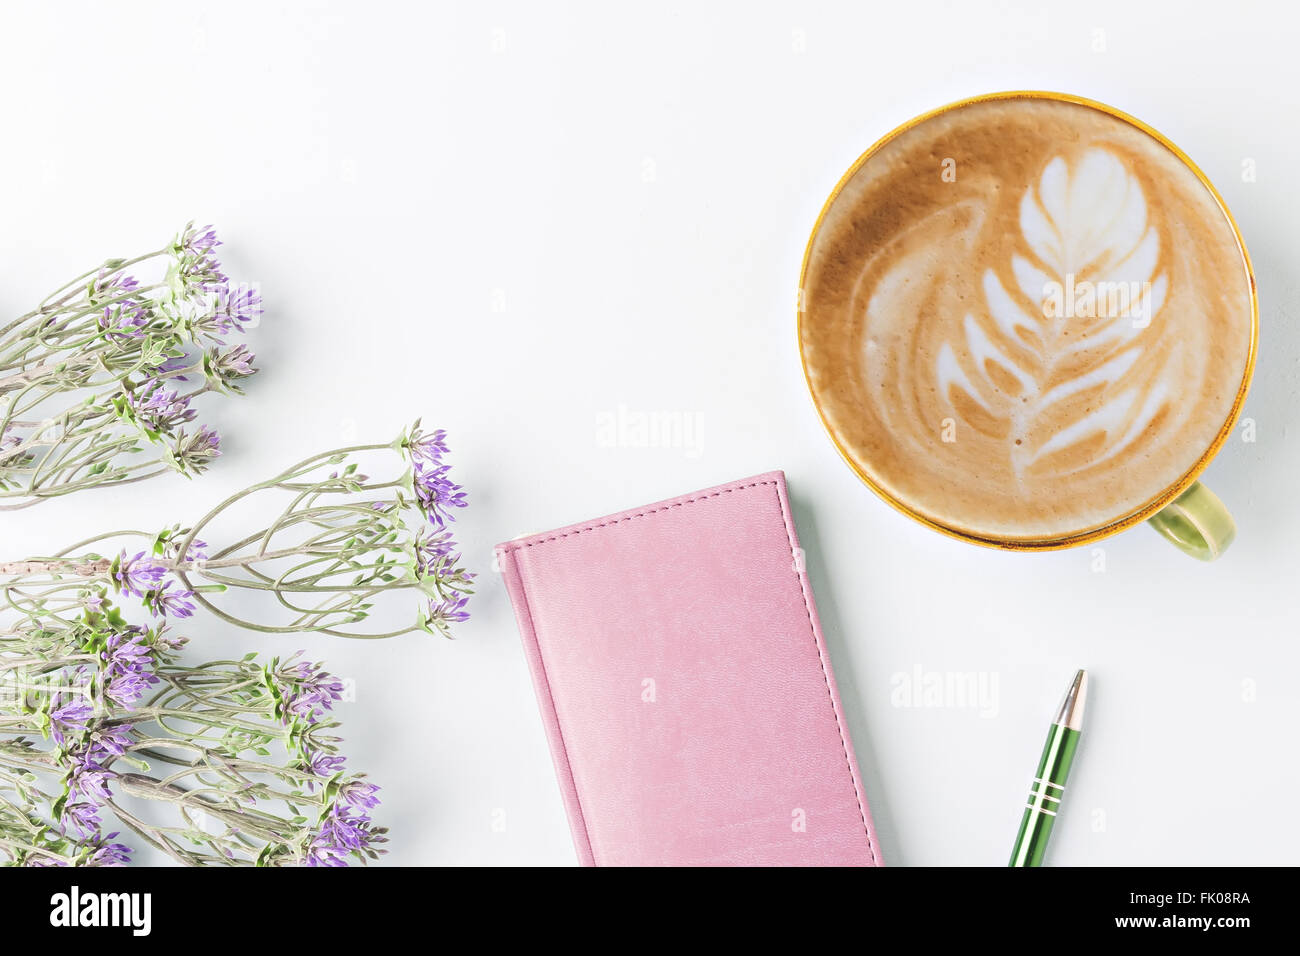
(917, 307)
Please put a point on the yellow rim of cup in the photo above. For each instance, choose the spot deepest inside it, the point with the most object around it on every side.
(1156, 503)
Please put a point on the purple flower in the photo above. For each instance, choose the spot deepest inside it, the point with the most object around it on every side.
(200, 241)
(127, 666)
(125, 320)
(196, 452)
(233, 364)
(164, 641)
(199, 267)
(321, 764)
(164, 601)
(323, 852)
(208, 440)
(432, 550)
(360, 793)
(81, 818)
(236, 307)
(451, 610)
(175, 363)
(130, 686)
(428, 448)
(137, 575)
(124, 315)
(197, 551)
(159, 408)
(437, 493)
(88, 783)
(306, 691)
(69, 713)
(343, 831)
(109, 854)
(9, 440)
(109, 741)
(115, 284)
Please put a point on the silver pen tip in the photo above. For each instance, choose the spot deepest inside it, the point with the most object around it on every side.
(1071, 713)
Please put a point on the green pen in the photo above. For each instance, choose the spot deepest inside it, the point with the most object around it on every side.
(1048, 788)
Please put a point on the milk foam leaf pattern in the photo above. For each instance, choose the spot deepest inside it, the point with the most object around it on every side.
(1051, 361)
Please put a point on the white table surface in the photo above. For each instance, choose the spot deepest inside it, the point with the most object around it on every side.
(514, 221)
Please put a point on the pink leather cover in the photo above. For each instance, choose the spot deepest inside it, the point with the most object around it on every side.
(685, 686)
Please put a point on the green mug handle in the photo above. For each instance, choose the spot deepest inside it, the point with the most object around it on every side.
(1197, 522)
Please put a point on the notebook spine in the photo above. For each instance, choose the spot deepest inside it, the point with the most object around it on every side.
(508, 562)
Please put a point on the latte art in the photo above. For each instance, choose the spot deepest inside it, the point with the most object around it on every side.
(1023, 359)
(1025, 319)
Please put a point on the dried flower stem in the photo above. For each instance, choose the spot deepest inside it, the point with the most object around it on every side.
(343, 541)
(92, 381)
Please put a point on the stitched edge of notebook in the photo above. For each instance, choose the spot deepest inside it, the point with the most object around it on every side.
(788, 520)
(529, 634)
(511, 547)
(807, 603)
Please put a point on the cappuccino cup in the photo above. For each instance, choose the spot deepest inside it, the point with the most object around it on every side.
(1028, 320)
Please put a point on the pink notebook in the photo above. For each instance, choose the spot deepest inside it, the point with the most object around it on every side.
(685, 686)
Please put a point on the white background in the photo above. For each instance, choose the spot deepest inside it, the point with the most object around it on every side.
(511, 221)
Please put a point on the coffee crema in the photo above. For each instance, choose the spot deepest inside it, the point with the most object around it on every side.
(1025, 319)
